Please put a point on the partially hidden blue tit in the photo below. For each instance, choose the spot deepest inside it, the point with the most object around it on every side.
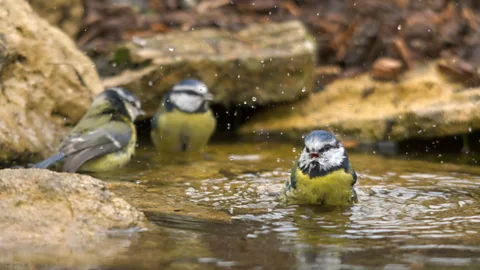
(104, 139)
(184, 121)
(322, 175)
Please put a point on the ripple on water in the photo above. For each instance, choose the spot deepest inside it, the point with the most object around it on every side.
(392, 206)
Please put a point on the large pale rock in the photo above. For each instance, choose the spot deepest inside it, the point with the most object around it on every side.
(46, 83)
(40, 208)
(66, 14)
(260, 64)
(422, 104)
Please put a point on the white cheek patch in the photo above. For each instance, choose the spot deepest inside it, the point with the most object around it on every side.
(326, 161)
(132, 111)
(332, 158)
(186, 102)
(303, 161)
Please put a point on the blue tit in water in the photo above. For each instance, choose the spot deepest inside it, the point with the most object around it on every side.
(105, 137)
(184, 121)
(322, 175)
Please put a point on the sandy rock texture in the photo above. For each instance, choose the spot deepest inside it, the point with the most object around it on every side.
(46, 83)
(260, 64)
(423, 103)
(66, 14)
(40, 208)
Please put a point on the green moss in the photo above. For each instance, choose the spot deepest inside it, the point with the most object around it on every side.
(122, 57)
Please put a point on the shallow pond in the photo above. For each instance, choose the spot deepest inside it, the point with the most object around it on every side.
(220, 213)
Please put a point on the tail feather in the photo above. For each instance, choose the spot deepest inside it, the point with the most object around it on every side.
(49, 161)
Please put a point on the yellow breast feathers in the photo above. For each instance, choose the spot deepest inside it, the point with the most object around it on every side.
(334, 189)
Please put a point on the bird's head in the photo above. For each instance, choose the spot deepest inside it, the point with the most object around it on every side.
(124, 102)
(190, 96)
(322, 153)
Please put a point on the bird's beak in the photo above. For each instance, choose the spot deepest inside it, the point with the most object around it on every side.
(314, 155)
(208, 97)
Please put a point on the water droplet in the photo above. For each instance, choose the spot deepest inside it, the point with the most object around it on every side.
(294, 150)
(469, 129)
(399, 27)
(304, 89)
(254, 99)
(150, 83)
(170, 49)
(278, 159)
(239, 76)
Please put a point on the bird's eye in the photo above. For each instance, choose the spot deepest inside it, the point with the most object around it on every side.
(327, 147)
(307, 149)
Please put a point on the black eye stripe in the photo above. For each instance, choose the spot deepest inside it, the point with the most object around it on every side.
(189, 92)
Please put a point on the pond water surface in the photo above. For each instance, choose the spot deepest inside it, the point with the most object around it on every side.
(220, 213)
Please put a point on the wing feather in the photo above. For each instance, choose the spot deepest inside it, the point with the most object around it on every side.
(107, 139)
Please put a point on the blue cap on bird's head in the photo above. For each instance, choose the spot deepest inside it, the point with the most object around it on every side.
(191, 82)
(320, 135)
(195, 86)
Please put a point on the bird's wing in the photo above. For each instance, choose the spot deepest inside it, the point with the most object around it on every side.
(349, 169)
(292, 181)
(108, 138)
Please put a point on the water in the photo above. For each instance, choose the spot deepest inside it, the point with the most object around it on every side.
(221, 213)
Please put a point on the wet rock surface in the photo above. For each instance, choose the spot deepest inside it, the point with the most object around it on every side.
(40, 208)
(423, 103)
(46, 83)
(262, 63)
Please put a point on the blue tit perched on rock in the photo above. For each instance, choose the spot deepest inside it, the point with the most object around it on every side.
(322, 175)
(105, 137)
(184, 121)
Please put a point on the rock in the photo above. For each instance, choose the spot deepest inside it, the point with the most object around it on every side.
(40, 208)
(46, 83)
(260, 64)
(423, 104)
(256, 6)
(66, 14)
(460, 70)
(386, 68)
(167, 200)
